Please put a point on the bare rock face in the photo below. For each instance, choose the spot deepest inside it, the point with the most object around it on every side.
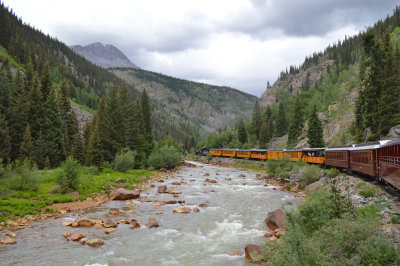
(252, 252)
(82, 116)
(294, 82)
(103, 55)
(394, 132)
(124, 194)
(275, 219)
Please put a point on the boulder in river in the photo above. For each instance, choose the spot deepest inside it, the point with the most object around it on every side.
(82, 222)
(109, 230)
(181, 210)
(209, 180)
(95, 242)
(206, 174)
(109, 223)
(174, 191)
(83, 241)
(252, 252)
(124, 194)
(11, 234)
(8, 240)
(134, 225)
(158, 203)
(176, 183)
(67, 235)
(77, 236)
(162, 189)
(196, 210)
(275, 219)
(115, 211)
(152, 223)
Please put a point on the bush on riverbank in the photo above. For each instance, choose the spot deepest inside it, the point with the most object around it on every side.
(124, 161)
(166, 157)
(22, 175)
(68, 177)
(327, 230)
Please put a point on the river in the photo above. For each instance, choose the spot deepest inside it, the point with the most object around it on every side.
(236, 207)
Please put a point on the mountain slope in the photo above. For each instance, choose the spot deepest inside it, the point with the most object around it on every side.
(205, 107)
(103, 55)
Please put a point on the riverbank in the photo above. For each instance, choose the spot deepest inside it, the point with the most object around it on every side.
(19, 208)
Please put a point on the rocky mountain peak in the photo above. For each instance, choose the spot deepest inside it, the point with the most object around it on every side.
(103, 55)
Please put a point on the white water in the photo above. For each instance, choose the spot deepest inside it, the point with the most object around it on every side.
(233, 218)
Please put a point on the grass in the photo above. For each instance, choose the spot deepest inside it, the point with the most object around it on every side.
(21, 203)
(249, 166)
(367, 190)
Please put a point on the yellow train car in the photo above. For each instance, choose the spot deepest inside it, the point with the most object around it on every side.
(244, 154)
(314, 155)
(294, 155)
(275, 155)
(259, 154)
(229, 152)
(216, 152)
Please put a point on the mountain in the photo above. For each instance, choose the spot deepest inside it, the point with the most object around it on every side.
(205, 107)
(103, 55)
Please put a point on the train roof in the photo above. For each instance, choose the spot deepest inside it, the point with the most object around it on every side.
(358, 147)
(259, 150)
(392, 142)
(340, 148)
(314, 149)
(292, 150)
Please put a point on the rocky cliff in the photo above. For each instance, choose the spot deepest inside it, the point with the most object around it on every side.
(294, 82)
(103, 55)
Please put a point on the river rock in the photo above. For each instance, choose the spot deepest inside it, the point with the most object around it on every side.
(67, 223)
(124, 194)
(77, 236)
(134, 225)
(109, 223)
(162, 189)
(171, 202)
(95, 242)
(67, 234)
(181, 210)
(124, 222)
(174, 191)
(203, 205)
(176, 183)
(82, 222)
(152, 223)
(11, 234)
(252, 252)
(109, 230)
(115, 211)
(196, 210)
(8, 241)
(315, 185)
(83, 241)
(206, 174)
(272, 239)
(158, 203)
(209, 180)
(242, 175)
(275, 219)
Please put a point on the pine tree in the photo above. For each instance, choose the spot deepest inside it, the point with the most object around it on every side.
(315, 133)
(27, 150)
(35, 115)
(45, 82)
(256, 120)
(264, 135)
(77, 150)
(297, 123)
(125, 103)
(5, 140)
(270, 121)
(69, 121)
(52, 133)
(146, 115)
(94, 154)
(281, 122)
(135, 126)
(389, 103)
(242, 135)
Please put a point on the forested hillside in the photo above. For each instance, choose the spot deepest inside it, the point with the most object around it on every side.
(204, 107)
(353, 87)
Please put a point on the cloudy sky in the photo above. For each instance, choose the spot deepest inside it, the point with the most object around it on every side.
(239, 43)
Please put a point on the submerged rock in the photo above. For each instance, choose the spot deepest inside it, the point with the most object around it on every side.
(134, 225)
(162, 189)
(82, 222)
(181, 210)
(67, 235)
(8, 241)
(95, 242)
(109, 230)
(209, 180)
(152, 223)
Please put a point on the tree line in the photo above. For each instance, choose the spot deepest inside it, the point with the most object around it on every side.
(37, 122)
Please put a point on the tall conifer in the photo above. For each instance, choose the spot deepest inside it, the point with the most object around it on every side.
(315, 133)
(27, 150)
(296, 124)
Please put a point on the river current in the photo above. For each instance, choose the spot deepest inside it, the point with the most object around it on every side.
(233, 216)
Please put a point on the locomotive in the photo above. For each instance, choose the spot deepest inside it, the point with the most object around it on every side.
(379, 159)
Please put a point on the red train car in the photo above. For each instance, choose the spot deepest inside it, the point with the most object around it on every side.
(338, 156)
(389, 162)
(364, 157)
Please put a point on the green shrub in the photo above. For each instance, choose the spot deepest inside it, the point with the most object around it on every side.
(125, 160)
(395, 219)
(164, 157)
(369, 212)
(367, 192)
(93, 170)
(22, 175)
(310, 175)
(333, 172)
(377, 250)
(68, 177)
(2, 168)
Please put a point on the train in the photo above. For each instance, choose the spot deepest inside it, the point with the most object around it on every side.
(379, 160)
